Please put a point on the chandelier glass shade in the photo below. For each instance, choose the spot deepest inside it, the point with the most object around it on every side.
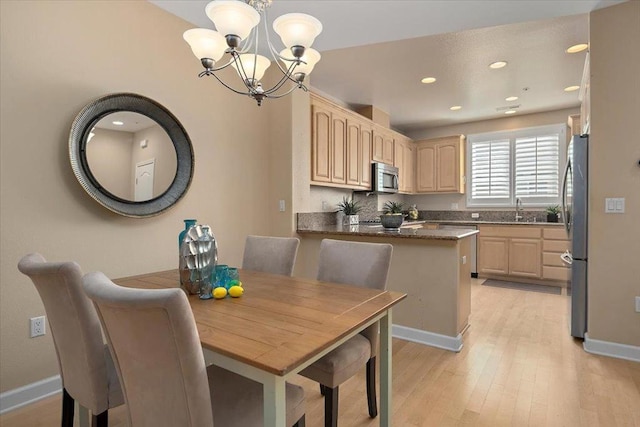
(237, 40)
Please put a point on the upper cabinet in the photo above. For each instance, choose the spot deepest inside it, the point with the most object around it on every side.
(340, 147)
(440, 165)
(404, 160)
(383, 149)
(585, 97)
(344, 143)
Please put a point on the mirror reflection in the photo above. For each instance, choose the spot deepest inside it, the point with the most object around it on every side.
(131, 156)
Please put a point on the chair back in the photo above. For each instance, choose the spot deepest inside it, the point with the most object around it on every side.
(75, 329)
(156, 349)
(356, 263)
(275, 255)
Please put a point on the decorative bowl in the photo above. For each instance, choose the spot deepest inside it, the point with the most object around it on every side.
(391, 220)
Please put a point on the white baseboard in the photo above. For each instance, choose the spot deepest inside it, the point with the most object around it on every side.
(611, 349)
(21, 396)
(428, 338)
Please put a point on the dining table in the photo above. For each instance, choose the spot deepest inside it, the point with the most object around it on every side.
(281, 325)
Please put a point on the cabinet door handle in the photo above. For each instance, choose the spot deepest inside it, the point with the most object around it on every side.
(567, 258)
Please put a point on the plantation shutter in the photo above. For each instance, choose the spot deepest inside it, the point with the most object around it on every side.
(537, 166)
(490, 169)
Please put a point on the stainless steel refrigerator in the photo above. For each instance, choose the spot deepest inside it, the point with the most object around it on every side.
(575, 206)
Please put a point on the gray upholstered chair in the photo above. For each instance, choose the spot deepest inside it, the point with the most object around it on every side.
(359, 264)
(87, 371)
(275, 255)
(153, 337)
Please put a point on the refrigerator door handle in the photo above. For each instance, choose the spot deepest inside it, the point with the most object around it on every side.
(565, 216)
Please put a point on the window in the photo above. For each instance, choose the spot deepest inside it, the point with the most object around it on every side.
(523, 163)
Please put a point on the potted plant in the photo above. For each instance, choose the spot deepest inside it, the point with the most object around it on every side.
(350, 209)
(552, 213)
(392, 216)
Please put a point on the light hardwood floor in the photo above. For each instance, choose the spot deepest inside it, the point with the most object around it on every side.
(518, 367)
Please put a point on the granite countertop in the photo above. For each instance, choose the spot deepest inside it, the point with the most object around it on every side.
(475, 222)
(408, 231)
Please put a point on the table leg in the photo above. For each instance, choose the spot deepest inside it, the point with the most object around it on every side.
(83, 416)
(274, 397)
(385, 370)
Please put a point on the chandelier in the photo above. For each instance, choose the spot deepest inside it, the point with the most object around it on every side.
(238, 36)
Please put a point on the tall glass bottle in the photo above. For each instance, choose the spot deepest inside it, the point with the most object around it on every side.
(188, 223)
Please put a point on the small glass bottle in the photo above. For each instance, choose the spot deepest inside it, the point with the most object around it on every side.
(413, 212)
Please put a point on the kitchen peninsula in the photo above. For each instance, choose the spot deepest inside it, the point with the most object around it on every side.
(429, 265)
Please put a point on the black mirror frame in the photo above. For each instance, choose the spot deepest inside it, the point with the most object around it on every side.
(96, 110)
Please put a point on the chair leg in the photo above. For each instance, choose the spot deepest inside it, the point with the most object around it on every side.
(68, 407)
(322, 390)
(301, 422)
(371, 387)
(331, 407)
(100, 420)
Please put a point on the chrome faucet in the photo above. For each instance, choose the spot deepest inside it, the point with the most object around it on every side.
(518, 209)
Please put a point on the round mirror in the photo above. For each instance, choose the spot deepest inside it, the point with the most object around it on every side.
(131, 154)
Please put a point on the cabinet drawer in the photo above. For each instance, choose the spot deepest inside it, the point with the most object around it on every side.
(557, 233)
(552, 259)
(555, 273)
(507, 231)
(555, 245)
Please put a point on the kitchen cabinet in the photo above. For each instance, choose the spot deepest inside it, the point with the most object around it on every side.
(328, 145)
(554, 244)
(383, 148)
(358, 153)
(320, 143)
(585, 97)
(440, 165)
(344, 143)
(404, 160)
(510, 251)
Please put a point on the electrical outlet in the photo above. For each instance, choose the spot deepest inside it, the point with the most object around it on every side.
(475, 215)
(325, 205)
(38, 326)
(637, 304)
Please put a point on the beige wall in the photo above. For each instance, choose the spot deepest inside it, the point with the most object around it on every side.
(614, 240)
(55, 58)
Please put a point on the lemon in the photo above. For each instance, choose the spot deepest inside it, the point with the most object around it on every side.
(236, 291)
(219, 292)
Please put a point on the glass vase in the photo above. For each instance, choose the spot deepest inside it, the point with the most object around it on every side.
(198, 258)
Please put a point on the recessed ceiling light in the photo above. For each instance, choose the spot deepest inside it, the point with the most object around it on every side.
(571, 88)
(118, 123)
(428, 80)
(455, 108)
(510, 112)
(498, 64)
(511, 98)
(577, 48)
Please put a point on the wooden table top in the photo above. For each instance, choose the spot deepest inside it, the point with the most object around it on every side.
(279, 322)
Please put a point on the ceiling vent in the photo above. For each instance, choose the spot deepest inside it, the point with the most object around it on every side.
(509, 107)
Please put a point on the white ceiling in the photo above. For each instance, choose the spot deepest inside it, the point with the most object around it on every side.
(375, 53)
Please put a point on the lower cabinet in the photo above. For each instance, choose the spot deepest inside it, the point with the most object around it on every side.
(510, 251)
(523, 252)
(555, 243)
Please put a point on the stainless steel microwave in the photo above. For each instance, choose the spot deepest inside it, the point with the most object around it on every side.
(384, 178)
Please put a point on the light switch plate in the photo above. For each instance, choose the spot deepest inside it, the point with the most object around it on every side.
(281, 205)
(614, 205)
(637, 304)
